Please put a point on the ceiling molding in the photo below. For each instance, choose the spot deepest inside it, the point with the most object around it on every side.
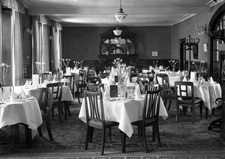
(185, 17)
(212, 3)
(112, 11)
(26, 4)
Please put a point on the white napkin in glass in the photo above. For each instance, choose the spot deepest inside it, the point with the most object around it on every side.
(23, 94)
(185, 79)
(137, 92)
(106, 93)
(211, 80)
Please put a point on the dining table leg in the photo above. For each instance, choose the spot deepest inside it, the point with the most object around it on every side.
(123, 139)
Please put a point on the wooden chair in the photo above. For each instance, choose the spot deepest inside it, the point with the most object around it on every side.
(95, 117)
(167, 93)
(184, 92)
(45, 103)
(151, 86)
(215, 125)
(56, 90)
(103, 75)
(96, 80)
(81, 84)
(71, 82)
(94, 87)
(150, 116)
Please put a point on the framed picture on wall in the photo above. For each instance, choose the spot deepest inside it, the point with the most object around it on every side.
(195, 51)
(154, 53)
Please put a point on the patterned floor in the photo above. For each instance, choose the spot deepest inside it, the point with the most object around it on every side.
(181, 140)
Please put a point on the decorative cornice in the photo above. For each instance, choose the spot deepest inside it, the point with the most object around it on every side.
(185, 17)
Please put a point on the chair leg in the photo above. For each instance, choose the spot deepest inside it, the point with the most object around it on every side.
(193, 114)
(28, 135)
(200, 107)
(153, 133)
(48, 125)
(53, 114)
(110, 134)
(177, 112)
(206, 113)
(144, 139)
(157, 134)
(87, 137)
(169, 105)
(103, 141)
(91, 132)
(60, 113)
(40, 131)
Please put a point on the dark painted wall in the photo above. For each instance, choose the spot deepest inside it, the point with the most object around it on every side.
(83, 42)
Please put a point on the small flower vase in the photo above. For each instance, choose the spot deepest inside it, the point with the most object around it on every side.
(174, 68)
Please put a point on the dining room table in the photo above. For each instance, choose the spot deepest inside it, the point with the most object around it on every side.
(31, 90)
(124, 111)
(208, 92)
(16, 110)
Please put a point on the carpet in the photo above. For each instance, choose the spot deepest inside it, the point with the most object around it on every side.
(179, 140)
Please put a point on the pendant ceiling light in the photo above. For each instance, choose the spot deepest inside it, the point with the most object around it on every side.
(117, 31)
(120, 16)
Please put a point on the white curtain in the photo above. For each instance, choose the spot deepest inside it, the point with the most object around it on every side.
(17, 54)
(41, 51)
(57, 49)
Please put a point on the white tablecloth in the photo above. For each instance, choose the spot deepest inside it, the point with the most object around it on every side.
(208, 93)
(66, 93)
(27, 112)
(124, 112)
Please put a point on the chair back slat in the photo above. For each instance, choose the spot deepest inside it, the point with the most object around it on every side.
(56, 89)
(184, 91)
(93, 87)
(151, 104)
(94, 106)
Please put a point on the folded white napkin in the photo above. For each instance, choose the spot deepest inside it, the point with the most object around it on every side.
(13, 97)
(106, 93)
(211, 80)
(23, 94)
(35, 79)
(185, 79)
(137, 92)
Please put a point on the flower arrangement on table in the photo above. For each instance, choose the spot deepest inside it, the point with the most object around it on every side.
(122, 71)
(155, 63)
(39, 66)
(66, 62)
(173, 64)
(78, 64)
(200, 69)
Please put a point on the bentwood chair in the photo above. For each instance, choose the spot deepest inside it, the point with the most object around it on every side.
(184, 92)
(167, 93)
(45, 103)
(56, 89)
(95, 117)
(150, 115)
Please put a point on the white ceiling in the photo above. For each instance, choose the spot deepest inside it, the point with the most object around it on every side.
(101, 12)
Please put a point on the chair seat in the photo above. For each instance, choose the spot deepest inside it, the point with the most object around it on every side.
(188, 101)
(98, 123)
(147, 122)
